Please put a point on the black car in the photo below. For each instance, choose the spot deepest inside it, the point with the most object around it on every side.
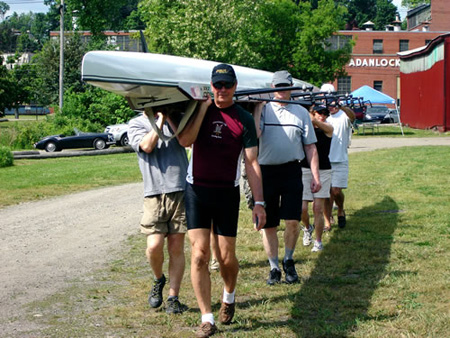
(79, 140)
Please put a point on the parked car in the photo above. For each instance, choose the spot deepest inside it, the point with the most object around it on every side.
(79, 140)
(376, 113)
(392, 116)
(120, 132)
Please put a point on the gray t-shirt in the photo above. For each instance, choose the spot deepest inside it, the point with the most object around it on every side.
(164, 169)
(285, 129)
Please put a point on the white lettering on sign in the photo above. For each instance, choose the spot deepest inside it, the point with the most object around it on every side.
(357, 62)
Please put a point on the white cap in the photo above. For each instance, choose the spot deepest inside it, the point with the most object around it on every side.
(327, 88)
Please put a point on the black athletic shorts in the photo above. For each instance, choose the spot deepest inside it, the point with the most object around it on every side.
(283, 192)
(218, 207)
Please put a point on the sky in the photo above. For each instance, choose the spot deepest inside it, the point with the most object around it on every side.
(25, 6)
(37, 6)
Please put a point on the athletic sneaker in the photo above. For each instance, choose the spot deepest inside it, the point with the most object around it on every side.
(307, 235)
(206, 330)
(214, 265)
(317, 246)
(274, 276)
(289, 270)
(174, 306)
(226, 313)
(155, 299)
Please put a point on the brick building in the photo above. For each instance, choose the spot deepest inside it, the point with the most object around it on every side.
(374, 60)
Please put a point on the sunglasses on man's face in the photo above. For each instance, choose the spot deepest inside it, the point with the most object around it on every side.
(220, 85)
(280, 85)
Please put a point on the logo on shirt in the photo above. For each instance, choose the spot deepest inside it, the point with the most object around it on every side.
(217, 129)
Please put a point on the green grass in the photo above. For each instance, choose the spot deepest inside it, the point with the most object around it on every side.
(34, 179)
(385, 275)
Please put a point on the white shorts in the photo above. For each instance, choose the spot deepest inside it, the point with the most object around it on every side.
(325, 181)
(339, 174)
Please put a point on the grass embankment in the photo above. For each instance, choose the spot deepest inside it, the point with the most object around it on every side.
(384, 275)
(30, 180)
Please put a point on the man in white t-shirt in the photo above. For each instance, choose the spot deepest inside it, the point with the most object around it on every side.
(342, 132)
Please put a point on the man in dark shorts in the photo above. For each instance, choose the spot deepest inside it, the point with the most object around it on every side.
(220, 132)
(286, 135)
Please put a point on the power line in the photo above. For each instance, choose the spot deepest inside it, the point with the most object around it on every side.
(23, 2)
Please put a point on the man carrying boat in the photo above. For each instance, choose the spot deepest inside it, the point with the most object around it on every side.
(286, 135)
(163, 165)
(220, 132)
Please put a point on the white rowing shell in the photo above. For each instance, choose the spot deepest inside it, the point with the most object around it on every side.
(150, 80)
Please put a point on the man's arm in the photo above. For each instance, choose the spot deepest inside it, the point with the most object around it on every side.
(313, 160)
(257, 117)
(349, 112)
(149, 141)
(190, 132)
(255, 181)
(324, 126)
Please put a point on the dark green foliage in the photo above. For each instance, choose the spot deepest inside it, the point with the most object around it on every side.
(269, 34)
(380, 12)
(97, 106)
(6, 157)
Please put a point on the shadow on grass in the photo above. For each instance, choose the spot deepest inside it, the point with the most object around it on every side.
(339, 291)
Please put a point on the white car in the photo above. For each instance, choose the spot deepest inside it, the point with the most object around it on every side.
(120, 132)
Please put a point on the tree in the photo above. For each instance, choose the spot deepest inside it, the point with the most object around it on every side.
(260, 34)
(47, 67)
(26, 32)
(386, 14)
(4, 7)
(11, 93)
(414, 3)
(380, 12)
(94, 15)
(313, 56)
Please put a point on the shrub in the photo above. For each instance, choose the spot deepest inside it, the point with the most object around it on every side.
(6, 157)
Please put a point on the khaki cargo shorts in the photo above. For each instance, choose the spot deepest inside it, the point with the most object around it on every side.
(164, 214)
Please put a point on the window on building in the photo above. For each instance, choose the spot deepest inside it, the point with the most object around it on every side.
(336, 42)
(378, 85)
(344, 85)
(377, 46)
(403, 45)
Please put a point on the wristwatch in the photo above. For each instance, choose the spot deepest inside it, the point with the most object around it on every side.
(261, 203)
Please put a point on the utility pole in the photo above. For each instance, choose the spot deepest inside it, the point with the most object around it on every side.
(61, 54)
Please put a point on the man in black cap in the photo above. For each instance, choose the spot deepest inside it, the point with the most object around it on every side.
(218, 132)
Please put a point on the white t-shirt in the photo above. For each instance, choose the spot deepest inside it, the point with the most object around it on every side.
(342, 134)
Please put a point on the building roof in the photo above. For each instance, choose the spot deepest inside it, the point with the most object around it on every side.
(424, 49)
(417, 10)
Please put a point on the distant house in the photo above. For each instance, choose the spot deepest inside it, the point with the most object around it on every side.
(121, 41)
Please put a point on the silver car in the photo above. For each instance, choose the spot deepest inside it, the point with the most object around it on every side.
(120, 133)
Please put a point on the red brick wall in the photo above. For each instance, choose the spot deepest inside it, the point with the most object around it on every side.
(440, 15)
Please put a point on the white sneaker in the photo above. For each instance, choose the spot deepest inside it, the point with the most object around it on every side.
(307, 235)
(317, 247)
(214, 265)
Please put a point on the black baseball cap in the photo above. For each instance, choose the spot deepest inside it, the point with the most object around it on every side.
(321, 110)
(223, 73)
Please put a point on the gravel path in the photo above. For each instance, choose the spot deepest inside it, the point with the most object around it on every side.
(45, 244)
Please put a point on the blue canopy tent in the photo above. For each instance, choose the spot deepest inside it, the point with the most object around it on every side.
(375, 96)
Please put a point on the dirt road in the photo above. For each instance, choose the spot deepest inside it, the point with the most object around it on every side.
(46, 244)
